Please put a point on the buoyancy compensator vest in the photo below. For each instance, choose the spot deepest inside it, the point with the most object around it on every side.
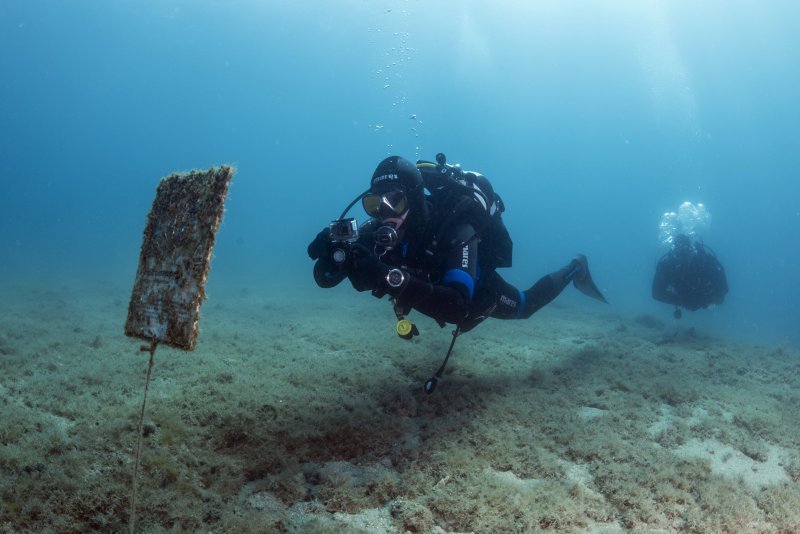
(466, 196)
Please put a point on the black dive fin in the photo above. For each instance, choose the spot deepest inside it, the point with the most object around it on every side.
(584, 283)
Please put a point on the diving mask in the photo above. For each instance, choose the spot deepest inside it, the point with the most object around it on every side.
(390, 204)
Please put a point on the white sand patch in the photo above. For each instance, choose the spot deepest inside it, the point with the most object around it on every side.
(731, 463)
(664, 422)
(508, 478)
(668, 418)
(579, 474)
(699, 414)
(377, 520)
(587, 413)
(265, 501)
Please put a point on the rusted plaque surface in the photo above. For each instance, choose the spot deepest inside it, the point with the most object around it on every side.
(175, 257)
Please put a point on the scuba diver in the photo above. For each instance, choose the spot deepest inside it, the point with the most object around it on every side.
(433, 242)
(689, 276)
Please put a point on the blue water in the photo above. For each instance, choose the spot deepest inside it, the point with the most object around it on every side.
(591, 118)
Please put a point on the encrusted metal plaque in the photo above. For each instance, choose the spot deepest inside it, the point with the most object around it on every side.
(175, 257)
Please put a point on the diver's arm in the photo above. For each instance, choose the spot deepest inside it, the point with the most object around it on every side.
(440, 302)
(448, 300)
(443, 303)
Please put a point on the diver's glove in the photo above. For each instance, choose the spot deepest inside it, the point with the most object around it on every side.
(367, 271)
(321, 245)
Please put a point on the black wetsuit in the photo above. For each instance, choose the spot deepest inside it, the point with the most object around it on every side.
(452, 285)
(692, 281)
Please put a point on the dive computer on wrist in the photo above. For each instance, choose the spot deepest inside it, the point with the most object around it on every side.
(395, 278)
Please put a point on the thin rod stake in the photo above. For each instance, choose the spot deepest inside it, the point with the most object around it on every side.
(152, 350)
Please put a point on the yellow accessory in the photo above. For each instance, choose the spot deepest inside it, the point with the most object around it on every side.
(405, 328)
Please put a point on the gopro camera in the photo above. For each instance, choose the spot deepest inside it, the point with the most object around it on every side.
(344, 232)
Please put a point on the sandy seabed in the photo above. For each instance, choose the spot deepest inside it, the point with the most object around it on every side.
(308, 415)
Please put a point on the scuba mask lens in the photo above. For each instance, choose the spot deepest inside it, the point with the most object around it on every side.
(394, 201)
(372, 204)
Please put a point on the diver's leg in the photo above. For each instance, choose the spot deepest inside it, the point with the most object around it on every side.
(549, 287)
(515, 304)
